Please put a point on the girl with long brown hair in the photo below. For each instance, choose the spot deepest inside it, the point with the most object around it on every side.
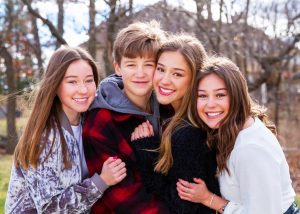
(183, 152)
(252, 169)
(49, 172)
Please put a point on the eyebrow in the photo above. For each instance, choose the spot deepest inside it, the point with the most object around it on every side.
(219, 89)
(178, 69)
(73, 76)
(132, 60)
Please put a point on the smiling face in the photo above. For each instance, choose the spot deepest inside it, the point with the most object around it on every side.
(213, 100)
(171, 78)
(77, 89)
(137, 75)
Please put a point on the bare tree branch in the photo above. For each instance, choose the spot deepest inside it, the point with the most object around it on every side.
(51, 27)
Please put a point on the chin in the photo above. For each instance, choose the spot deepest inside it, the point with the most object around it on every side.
(163, 101)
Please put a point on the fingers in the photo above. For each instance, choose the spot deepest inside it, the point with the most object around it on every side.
(143, 130)
(120, 174)
(185, 187)
(198, 181)
(150, 127)
(184, 183)
(113, 171)
(183, 192)
(119, 167)
(110, 160)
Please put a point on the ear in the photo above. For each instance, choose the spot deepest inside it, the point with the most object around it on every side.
(117, 68)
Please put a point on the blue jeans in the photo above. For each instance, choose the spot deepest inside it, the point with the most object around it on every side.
(293, 209)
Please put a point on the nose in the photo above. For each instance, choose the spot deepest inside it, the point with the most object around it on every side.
(211, 102)
(165, 78)
(82, 88)
(140, 71)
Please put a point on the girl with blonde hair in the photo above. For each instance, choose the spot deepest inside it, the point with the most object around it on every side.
(183, 152)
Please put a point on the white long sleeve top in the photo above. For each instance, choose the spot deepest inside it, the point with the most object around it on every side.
(259, 180)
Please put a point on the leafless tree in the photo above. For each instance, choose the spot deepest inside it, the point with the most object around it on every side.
(60, 20)
(54, 31)
(12, 137)
(92, 29)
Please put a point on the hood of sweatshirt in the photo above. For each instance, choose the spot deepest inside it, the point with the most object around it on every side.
(110, 96)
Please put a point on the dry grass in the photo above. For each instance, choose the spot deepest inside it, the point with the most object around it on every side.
(20, 123)
(298, 200)
(5, 167)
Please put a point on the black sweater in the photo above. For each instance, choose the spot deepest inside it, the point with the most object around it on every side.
(191, 159)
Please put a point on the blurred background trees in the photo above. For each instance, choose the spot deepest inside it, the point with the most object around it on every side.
(262, 38)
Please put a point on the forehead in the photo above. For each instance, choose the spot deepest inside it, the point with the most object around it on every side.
(79, 68)
(211, 82)
(137, 58)
(173, 56)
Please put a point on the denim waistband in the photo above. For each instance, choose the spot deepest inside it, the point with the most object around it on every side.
(293, 209)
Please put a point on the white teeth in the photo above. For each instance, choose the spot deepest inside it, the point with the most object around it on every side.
(166, 90)
(80, 99)
(213, 114)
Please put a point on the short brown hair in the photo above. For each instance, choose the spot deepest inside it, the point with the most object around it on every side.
(138, 39)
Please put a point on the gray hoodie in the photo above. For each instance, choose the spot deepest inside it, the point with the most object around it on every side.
(110, 96)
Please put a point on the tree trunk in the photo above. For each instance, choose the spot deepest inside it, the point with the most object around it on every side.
(277, 101)
(220, 23)
(92, 30)
(110, 36)
(12, 137)
(130, 5)
(37, 47)
(60, 20)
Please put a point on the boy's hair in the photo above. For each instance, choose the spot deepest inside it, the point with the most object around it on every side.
(138, 39)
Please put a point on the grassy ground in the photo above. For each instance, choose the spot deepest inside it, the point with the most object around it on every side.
(20, 122)
(2, 126)
(5, 166)
(298, 200)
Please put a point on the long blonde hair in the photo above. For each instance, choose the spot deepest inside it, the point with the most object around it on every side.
(194, 53)
(44, 115)
(241, 107)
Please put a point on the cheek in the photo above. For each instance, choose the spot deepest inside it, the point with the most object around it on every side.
(62, 90)
(155, 79)
(150, 71)
(200, 108)
(185, 86)
(93, 89)
(227, 105)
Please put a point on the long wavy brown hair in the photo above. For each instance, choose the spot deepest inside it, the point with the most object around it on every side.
(46, 108)
(194, 54)
(242, 106)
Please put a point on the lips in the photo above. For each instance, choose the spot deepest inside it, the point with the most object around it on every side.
(165, 91)
(140, 82)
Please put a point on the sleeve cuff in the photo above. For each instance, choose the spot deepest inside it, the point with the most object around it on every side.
(233, 207)
(100, 184)
(149, 143)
